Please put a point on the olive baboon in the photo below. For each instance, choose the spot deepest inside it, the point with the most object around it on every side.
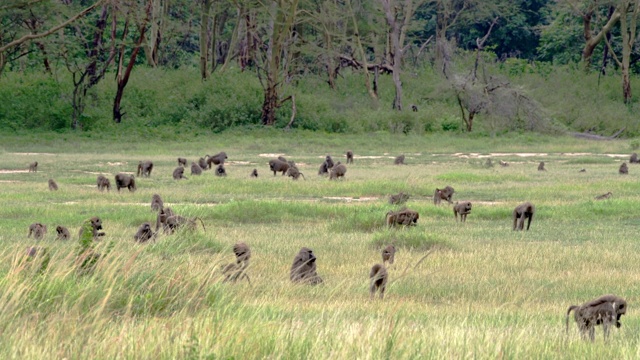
(33, 167)
(96, 224)
(604, 196)
(404, 217)
(156, 203)
(329, 162)
(221, 171)
(583, 170)
(277, 165)
(624, 169)
(144, 233)
(195, 169)
(216, 159)
(503, 163)
(125, 181)
(323, 170)
(174, 222)
(161, 219)
(443, 194)
(303, 269)
(349, 157)
(294, 172)
(237, 271)
(52, 185)
(63, 233)
(282, 158)
(103, 183)
(178, 173)
(254, 173)
(144, 168)
(522, 212)
(488, 163)
(182, 161)
(378, 278)
(203, 163)
(414, 108)
(388, 254)
(541, 166)
(634, 159)
(605, 310)
(38, 230)
(399, 160)
(338, 171)
(463, 208)
(399, 198)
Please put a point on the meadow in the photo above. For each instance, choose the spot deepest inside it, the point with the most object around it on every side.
(484, 291)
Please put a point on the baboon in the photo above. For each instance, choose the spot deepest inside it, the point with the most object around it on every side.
(624, 169)
(96, 224)
(52, 185)
(156, 203)
(294, 172)
(182, 161)
(282, 158)
(195, 169)
(277, 165)
(178, 173)
(522, 212)
(399, 160)
(378, 277)
(634, 159)
(103, 183)
(33, 167)
(404, 217)
(463, 208)
(221, 171)
(488, 163)
(399, 198)
(237, 271)
(388, 254)
(203, 163)
(503, 163)
(303, 269)
(216, 159)
(254, 173)
(414, 108)
(163, 214)
(37, 252)
(338, 171)
(349, 157)
(174, 222)
(38, 230)
(144, 233)
(63, 233)
(125, 181)
(329, 162)
(323, 170)
(604, 196)
(443, 194)
(32, 251)
(144, 168)
(583, 170)
(605, 310)
(541, 166)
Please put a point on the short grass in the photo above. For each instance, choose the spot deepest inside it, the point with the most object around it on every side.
(483, 291)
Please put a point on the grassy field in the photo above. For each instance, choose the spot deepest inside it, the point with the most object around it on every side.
(484, 291)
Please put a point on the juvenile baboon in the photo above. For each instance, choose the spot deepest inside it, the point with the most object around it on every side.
(254, 173)
(541, 166)
(399, 160)
(195, 169)
(203, 163)
(103, 183)
(63, 233)
(96, 224)
(38, 230)
(216, 159)
(125, 181)
(624, 169)
(414, 108)
(349, 157)
(583, 170)
(277, 165)
(52, 185)
(144, 168)
(463, 208)
(399, 198)
(605, 310)
(221, 171)
(144, 233)
(175, 222)
(294, 172)
(329, 162)
(182, 161)
(378, 280)
(156, 203)
(33, 167)
(303, 269)
(237, 271)
(163, 215)
(604, 196)
(338, 171)
(443, 194)
(522, 212)
(404, 217)
(634, 159)
(178, 173)
(503, 163)
(388, 254)
(323, 170)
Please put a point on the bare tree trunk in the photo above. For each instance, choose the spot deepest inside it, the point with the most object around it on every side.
(363, 57)
(204, 29)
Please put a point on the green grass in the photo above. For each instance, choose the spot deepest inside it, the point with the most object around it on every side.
(484, 291)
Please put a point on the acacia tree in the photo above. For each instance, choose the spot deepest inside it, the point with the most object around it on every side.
(627, 11)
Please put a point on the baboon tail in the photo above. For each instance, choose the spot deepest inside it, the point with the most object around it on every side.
(303, 176)
(201, 222)
(566, 320)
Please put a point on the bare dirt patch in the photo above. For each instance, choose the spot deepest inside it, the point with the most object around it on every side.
(482, 156)
(31, 153)
(350, 199)
(271, 155)
(13, 171)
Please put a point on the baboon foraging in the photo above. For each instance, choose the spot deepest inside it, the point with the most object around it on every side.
(463, 208)
(156, 203)
(195, 169)
(174, 222)
(96, 224)
(414, 108)
(634, 159)
(103, 183)
(443, 194)
(221, 171)
(378, 277)
(541, 166)
(399, 198)
(329, 162)
(163, 214)
(503, 163)
(52, 185)
(182, 161)
(388, 254)
(303, 269)
(216, 159)
(338, 171)
(237, 271)
(63, 233)
(404, 217)
(323, 170)
(583, 170)
(33, 167)
(125, 181)
(399, 160)
(178, 173)
(254, 173)
(144, 233)
(349, 157)
(203, 163)
(294, 172)
(624, 169)
(144, 168)
(604, 196)
(522, 212)
(38, 230)
(605, 310)
(277, 165)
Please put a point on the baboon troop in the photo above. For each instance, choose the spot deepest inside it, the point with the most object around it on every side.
(388, 254)
(203, 163)
(63, 233)
(103, 183)
(221, 171)
(605, 310)
(403, 217)
(604, 196)
(237, 271)
(414, 108)
(399, 160)
(522, 212)
(38, 230)
(503, 163)
(195, 169)
(541, 166)
(624, 169)
(349, 157)
(156, 203)
(182, 162)
(338, 171)
(144, 233)
(634, 159)
(144, 168)
(178, 173)
(443, 194)
(399, 198)
(254, 173)
(278, 165)
(96, 224)
(303, 269)
(52, 185)
(125, 181)
(33, 167)
(378, 280)
(161, 219)
(463, 208)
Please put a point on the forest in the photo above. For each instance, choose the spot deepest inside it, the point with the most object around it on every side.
(403, 66)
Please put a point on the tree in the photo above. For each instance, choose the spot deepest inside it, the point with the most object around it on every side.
(627, 12)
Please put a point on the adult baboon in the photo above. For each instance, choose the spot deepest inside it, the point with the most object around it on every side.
(414, 108)
(216, 159)
(604, 196)
(463, 208)
(38, 230)
(583, 170)
(399, 160)
(323, 170)
(541, 166)
(237, 271)
(52, 185)
(96, 224)
(125, 181)
(221, 171)
(605, 310)
(443, 194)
(303, 269)
(634, 159)
(203, 163)
(161, 219)
(388, 254)
(503, 163)
(378, 280)
(182, 161)
(63, 233)
(294, 172)
(33, 167)
(329, 162)
(349, 157)
(195, 169)
(174, 222)
(254, 173)
(277, 165)
(103, 183)
(404, 217)
(399, 198)
(144, 168)
(522, 212)
(178, 173)
(624, 169)
(338, 171)
(144, 233)
(156, 203)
